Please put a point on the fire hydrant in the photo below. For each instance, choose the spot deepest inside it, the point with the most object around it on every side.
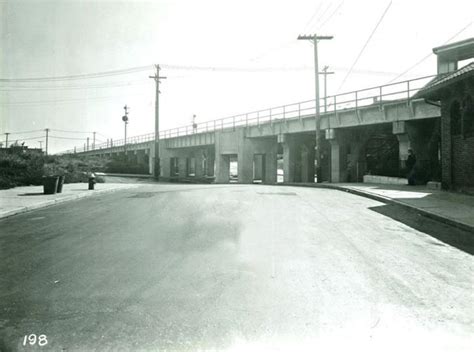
(91, 181)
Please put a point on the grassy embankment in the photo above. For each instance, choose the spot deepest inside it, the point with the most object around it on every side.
(24, 169)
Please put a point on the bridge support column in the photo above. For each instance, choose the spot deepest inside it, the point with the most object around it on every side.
(182, 167)
(222, 168)
(151, 158)
(235, 143)
(226, 146)
(257, 159)
(210, 165)
(399, 128)
(298, 158)
(337, 158)
(245, 160)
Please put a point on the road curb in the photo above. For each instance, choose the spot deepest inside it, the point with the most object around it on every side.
(383, 199)
(51, 202)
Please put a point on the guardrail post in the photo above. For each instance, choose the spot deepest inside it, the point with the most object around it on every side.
(233, 123)
(299, 110)
(270, 115)
(408, 90)
(258, 118)
(284, 117)
(335, 107)
(246, 120)
(207, 126)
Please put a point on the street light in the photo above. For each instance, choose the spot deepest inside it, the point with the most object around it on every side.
(125, 120)
(194, 124)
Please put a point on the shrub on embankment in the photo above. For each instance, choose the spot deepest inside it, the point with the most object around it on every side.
(23, 168)
(20, 169)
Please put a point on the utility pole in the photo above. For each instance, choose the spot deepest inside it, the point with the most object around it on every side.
(87, 143)
(93, 140)
(325, 73)
(156, 77)
(314, 38)
(6, 139)
(125, 120)
(41, 144)
(47, 133)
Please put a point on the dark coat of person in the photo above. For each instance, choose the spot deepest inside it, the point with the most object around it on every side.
(410, 163)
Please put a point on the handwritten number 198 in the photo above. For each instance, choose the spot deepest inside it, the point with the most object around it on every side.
(32, 339)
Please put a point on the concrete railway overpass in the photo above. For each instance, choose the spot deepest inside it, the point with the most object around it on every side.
(360, 131)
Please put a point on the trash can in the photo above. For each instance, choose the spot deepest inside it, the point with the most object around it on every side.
(60, 184)
(50, 184)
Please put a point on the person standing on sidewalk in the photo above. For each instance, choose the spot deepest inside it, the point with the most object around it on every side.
(410, 163)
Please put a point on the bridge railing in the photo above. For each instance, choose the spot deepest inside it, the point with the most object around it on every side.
(378, 95)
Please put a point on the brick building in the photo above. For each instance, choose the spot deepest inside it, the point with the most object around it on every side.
(453, 89)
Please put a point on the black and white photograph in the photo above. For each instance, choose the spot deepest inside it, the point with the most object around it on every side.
(237, 175)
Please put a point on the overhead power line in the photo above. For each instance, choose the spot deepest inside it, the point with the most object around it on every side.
(81, 76)
(24, 132)
(427, 56)
(365, 45)
(321, 16)
(61, 101)
(65, 131)
(331, 15)
(312, 17)
(72, 138)
(28, 139)
(43, 88)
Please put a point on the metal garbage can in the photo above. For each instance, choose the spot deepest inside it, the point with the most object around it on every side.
(59, 189)
(50, 184)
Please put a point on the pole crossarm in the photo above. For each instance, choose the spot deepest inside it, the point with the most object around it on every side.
(318, 37)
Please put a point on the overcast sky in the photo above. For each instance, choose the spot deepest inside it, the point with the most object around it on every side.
(255, 40)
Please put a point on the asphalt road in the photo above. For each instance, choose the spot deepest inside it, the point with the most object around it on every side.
(233, 267)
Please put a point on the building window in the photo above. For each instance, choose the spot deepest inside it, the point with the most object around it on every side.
(468, 116)
(455, 116)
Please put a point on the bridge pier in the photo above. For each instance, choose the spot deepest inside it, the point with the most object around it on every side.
(347, 156)
(298, 158)
(191, 162)
(256, 157)
(257, 160)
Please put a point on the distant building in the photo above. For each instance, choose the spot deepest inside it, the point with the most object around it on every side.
(453, 88)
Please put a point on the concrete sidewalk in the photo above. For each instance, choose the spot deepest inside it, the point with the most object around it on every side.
(452, 208)
(21, 199)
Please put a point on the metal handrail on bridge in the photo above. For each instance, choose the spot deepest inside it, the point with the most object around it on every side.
(378, 95)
